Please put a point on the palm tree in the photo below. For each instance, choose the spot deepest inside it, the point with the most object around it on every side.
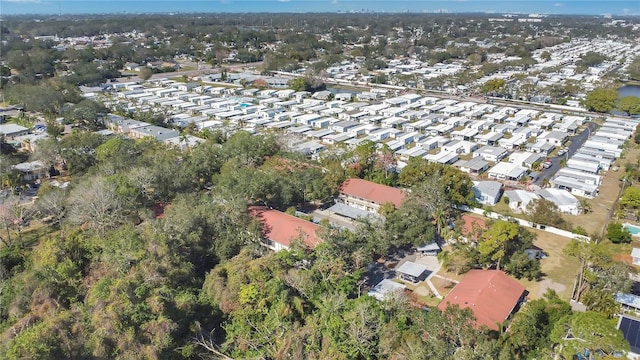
(184, 138)
(440, 217)
(585, 205)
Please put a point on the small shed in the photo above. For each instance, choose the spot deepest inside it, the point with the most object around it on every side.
(429, 249)
(635, 256)
(385, 288)
(411, 271)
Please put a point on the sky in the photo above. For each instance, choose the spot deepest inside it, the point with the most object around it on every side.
(568, 7)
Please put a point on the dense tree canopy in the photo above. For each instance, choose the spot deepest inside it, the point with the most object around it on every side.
(629, 104)
(547, 213)
(618, 234)
(494, 87)
(601, 100)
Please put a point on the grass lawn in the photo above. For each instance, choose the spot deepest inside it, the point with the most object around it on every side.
(420, 293)
(559, 270)
(32, 234)
(596, 221)
(430, 301)
(178, 79)
(442, 285)
(349, 88)
(501, 208)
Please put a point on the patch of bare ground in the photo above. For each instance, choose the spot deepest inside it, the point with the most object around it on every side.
(443, 285)
(558, 269)
(595, 222)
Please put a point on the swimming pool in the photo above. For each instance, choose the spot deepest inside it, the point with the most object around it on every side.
(634, 230)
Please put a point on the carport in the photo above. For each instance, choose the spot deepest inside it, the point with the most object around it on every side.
(411, 271)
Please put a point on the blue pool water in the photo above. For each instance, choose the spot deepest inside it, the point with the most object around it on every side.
(634, 230)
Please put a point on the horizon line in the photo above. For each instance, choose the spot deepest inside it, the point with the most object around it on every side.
(337, 12)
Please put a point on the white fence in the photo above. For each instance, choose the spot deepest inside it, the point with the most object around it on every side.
(525, 223)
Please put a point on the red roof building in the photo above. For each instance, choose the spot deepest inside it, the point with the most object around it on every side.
(490, 294)
(473, 227)
(368, 196)
(279, 228)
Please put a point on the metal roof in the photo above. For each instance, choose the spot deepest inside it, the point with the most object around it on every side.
(412, 269)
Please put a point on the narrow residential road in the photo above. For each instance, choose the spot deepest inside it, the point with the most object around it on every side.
(576, 143)
(202, 69)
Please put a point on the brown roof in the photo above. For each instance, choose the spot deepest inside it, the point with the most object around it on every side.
(282, 228)
(371, 191)
(490, 294)
(470, 223)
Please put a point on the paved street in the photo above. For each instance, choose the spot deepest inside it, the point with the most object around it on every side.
(576, 143)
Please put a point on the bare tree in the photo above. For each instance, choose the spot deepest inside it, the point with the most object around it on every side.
(142, 179)
(96, 204)
(16, 214)
(54, 205)
(47, 152)
(207, 342)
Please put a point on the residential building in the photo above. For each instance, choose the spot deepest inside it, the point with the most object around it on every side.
(507, 171)
(476, 165)
(630, 327)
(487, 192)
(31, 170)
(410, 271)
(472, 227)
(629, 302)
(491, 153)
(386, 288)
(279, 229)
(490, 294)
(157, 132)
(635, 256)
(520, 199)
(11, 131)
(526, 159)
(369, 196)
(566, 203)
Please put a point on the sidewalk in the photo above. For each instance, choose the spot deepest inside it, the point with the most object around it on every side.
(428, 281)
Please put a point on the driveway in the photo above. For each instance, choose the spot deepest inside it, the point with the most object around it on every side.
(576, 143)
(379, 271)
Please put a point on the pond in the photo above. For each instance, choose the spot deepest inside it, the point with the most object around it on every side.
(629, 90)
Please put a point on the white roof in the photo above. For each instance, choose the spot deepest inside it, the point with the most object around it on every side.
(412, 269)
(385, 287)
(29, 166)
(508, 169)
(521, 196)
(628, 299)
(11, 129)
(635, 253)
(558, 196)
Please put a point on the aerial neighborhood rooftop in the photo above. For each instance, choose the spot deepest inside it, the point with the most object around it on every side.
(490, 142)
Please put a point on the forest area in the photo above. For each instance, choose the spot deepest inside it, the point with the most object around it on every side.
(151, 253)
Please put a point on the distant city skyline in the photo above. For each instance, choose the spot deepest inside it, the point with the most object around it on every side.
(551, 7)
